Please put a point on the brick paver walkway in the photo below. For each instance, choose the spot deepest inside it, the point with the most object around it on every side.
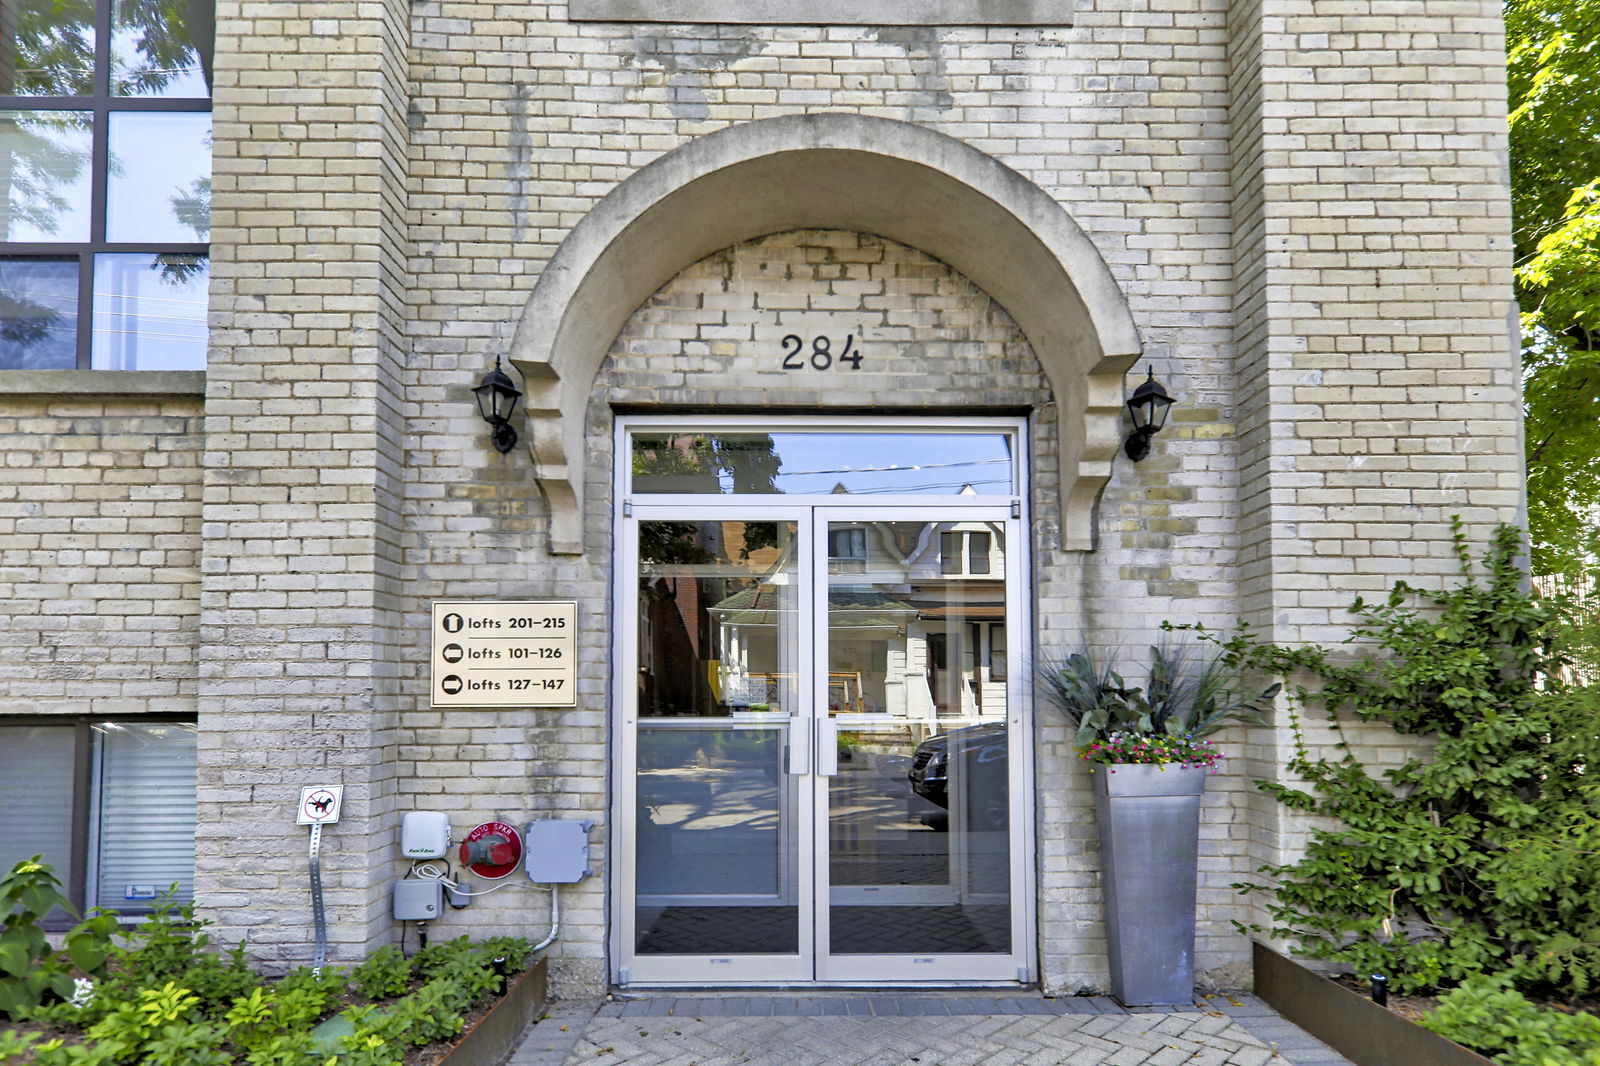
(928, 1029)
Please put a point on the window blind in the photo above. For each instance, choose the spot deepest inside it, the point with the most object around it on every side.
(145, 796)
(36, 795)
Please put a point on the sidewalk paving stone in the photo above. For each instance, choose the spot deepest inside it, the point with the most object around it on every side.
(913, 1029)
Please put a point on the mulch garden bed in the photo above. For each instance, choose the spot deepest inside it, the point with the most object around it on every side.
(494, 1043)
(1412, 1008)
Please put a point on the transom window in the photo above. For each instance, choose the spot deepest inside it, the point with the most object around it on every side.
(105, 159)
(822, 462)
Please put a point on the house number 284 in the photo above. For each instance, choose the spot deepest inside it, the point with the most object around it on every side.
(821, 356)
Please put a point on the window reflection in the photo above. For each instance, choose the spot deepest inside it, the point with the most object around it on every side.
(161, 48)
(159, 188)
(101, 154)
(44, 167)
(150, 312)
(823, 463)
(918, 842)
(46, 47)
(718, 633)
(716, 841)
(38, 314)
(916, 621)
(718, 639)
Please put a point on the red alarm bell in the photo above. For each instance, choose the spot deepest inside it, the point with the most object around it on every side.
(492, 850)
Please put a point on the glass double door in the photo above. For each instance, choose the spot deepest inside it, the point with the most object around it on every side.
(820, 745)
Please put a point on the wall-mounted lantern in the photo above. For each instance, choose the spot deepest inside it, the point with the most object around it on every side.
(1148, 405)
(497, 399)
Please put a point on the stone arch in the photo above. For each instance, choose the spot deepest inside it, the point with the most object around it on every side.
(828, 171)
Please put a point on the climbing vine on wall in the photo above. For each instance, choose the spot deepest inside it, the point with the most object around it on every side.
(1477, 854)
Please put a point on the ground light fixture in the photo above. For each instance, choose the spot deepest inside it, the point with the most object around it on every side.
(497, 399)
(1148, 405)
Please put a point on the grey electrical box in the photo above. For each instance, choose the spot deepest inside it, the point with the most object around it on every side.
(418, 899)
(557, 851)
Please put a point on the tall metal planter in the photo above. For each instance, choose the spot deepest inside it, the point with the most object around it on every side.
(1149, 852)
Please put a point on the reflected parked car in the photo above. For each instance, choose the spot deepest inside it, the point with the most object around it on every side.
(981, 751)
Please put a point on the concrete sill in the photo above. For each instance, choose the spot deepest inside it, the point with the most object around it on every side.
(102, 382)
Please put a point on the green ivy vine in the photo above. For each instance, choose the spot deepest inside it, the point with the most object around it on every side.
(1478, 855)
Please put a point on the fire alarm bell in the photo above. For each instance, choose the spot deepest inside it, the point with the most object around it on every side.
(425, 835)
(492, 850)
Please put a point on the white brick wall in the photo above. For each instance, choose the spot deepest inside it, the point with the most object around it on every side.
(99, 554)
(300, 612)
(1304, 205)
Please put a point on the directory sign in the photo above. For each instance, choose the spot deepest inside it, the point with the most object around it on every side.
(505, 653)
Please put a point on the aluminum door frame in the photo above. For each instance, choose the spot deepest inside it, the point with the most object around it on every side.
(810, 513)
(708, 969)
(947, 969)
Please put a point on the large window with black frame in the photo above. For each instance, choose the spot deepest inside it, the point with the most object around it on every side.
(105, 163)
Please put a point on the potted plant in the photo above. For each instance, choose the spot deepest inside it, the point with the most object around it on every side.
(1149, 757)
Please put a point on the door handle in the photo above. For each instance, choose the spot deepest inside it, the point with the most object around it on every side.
(827, 747)
(797, 752)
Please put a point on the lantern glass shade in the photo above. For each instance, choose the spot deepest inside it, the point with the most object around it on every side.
(497, 396)
(1148, 405)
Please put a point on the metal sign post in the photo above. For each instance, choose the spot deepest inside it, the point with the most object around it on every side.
(319, 920)
(319, 806)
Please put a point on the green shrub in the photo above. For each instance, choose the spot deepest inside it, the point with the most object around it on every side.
(368, 1050)
(59, 1053)
(273, 1025)
(469, 964)
(32, 972)
(458, 975)
(165, 997)
(1476, 857)
(160, 1027)
(432, 1012)
(171, 946)
(1488, 1016)
(14, 1044)
(385, 973)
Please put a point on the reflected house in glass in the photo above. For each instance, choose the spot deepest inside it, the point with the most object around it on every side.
(922, 650)
(734, 768)
(868, 627)
(686, 569)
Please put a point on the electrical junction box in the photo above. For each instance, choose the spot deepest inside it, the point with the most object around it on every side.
(425, 835)
(557, 851)
(418, 899)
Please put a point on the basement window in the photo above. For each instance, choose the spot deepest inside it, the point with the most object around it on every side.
(108, 803)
